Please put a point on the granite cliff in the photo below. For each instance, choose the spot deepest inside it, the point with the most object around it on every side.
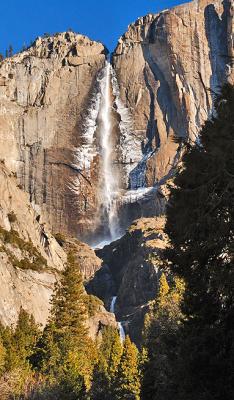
(169, 66)
(44, 95)
(56, 99)
(166, 68)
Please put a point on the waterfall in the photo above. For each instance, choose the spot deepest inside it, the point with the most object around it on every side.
(120, 324)
(112, 306)
(109, 189)
(121, 332)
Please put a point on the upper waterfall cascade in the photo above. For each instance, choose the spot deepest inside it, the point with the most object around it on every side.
(117, 173)
(110, 180)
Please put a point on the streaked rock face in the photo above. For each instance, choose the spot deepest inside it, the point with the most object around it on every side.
(166, 65)
(44, 96)
(25, 236)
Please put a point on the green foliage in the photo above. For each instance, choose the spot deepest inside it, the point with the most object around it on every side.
(16, 347)
(2, 356)
(109, 355)
(66, 355)
(60, 237)
(127, 379)
(92, 304)
(32, 260)
(162, 324)
(20, 342)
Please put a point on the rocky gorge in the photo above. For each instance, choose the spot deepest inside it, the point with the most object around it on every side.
(70, 121)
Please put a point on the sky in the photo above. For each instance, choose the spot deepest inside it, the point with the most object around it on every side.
(105, 20)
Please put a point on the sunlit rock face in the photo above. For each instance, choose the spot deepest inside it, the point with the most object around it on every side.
(166, 65)
(31, 260)
(46, 99)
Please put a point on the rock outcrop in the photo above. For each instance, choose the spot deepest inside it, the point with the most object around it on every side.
(99, 320)
(168, 67)
(85, 256)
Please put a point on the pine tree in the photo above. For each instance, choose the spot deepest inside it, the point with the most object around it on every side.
(17, 346)
(66, 354)
(200, 226)
(111, 349)
(10, 51)
(105, 371)
(127, 380)
(20, 342)
(161, 340)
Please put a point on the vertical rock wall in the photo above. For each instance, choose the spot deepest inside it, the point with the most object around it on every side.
(166, 65)
(45, 99)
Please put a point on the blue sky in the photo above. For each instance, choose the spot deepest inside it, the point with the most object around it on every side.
(23, 20)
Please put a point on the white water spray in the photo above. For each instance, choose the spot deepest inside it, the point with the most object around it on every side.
(110, 181)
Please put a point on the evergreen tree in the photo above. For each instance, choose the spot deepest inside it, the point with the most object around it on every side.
(66, 353)
(17, 346)
(200, 226)
(105, 371)
(127, 380)
(10, 52)
(161, 341)
(111, 349)
(20, 342)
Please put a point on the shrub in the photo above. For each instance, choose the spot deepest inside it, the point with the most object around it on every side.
(60, 238)
(12, 237)
(12, 217)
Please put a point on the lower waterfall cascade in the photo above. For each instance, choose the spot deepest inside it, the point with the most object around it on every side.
(120, 324)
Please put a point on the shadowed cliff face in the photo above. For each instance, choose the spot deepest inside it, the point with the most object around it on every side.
(131, 270)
